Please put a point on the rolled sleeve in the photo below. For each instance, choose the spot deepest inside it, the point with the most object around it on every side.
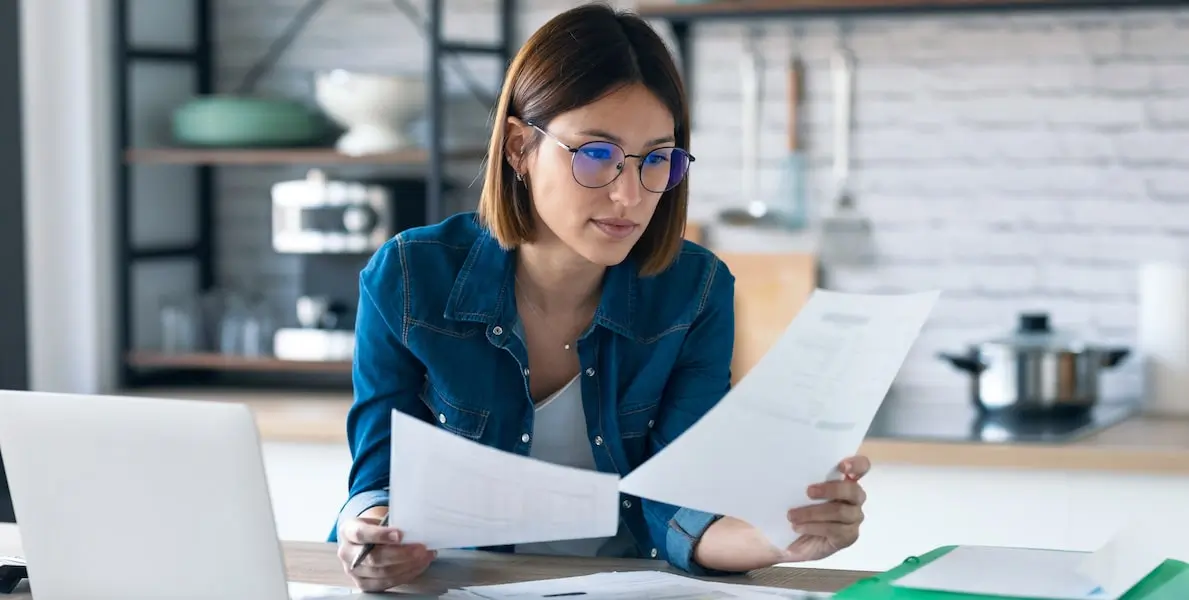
(361, 502)
(700, 379)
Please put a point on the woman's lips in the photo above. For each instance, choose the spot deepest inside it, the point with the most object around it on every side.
(615, 228)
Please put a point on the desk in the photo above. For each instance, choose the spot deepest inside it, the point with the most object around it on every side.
(314, 562)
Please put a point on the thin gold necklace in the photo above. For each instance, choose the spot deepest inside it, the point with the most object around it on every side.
(541, 315)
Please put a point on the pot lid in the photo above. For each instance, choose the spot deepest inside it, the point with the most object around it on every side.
(1035, 332)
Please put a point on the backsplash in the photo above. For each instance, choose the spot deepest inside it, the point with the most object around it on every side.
(1015, 161)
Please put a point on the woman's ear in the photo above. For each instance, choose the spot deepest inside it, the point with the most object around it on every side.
(516, 137)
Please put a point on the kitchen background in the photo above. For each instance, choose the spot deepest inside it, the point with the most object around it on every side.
(1018, 161)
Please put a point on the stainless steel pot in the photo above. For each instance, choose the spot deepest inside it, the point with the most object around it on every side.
(1035, 369)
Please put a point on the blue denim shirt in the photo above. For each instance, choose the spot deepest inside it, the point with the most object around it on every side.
(434, 339)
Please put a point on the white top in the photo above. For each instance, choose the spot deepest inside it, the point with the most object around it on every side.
(559, 437)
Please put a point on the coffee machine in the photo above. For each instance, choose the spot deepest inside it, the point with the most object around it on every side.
(335, 226)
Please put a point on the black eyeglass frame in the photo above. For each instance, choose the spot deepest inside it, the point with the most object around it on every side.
(573, 150)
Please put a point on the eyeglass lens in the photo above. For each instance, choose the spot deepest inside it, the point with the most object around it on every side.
(597, 164)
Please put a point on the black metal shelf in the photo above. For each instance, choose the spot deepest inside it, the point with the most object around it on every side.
(135, 368)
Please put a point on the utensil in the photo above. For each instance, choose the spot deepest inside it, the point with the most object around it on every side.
(794, 168)
(846, 237)
(1036, 369)
(757, 212)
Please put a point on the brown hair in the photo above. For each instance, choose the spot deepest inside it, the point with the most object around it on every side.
(573, 60)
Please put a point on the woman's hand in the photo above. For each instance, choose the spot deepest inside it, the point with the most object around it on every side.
(389, 564)
(833, 525)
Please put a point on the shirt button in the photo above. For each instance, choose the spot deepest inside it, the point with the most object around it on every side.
(442, 417)
(497, 330)
(590, 372)
(653, 553)
(598, 440)
(651, 423)
(525, 438)
(526, 372)
(627, 503)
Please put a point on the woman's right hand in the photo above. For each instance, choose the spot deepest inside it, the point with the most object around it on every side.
(389, 564)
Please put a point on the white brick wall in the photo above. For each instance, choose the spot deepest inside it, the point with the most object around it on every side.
(1016, 161)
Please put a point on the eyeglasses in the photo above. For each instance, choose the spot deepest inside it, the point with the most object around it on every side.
(597, 164)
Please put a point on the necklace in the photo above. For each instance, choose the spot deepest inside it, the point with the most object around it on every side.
(541, 315)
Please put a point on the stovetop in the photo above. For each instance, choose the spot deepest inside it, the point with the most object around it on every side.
(961, 422)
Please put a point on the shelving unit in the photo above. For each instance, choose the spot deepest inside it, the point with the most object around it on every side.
(682, 16)
(140, 367)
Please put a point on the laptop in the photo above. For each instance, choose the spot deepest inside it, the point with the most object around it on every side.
(147, 498)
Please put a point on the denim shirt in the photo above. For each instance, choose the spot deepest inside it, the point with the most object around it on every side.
(435, 339)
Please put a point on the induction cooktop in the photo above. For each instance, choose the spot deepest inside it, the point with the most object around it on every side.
(962, 422)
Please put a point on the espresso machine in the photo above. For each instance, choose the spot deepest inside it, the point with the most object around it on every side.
(335, 226)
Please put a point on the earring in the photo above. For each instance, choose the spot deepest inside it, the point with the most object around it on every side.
(519, 177)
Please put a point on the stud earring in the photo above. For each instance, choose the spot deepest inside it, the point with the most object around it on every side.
(519, 177)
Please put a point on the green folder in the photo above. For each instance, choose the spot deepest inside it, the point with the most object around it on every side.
(1169, 581)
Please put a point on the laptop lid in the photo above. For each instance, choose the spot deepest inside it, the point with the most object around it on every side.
(137, 498)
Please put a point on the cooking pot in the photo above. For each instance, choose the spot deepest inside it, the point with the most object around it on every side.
(1035, 368)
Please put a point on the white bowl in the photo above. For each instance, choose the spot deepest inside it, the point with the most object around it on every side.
(375, 109)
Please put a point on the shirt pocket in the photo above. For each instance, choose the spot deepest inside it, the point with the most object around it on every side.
(453, 416)
(636, 419)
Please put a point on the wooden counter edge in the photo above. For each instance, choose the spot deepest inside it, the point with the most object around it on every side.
(316, 562)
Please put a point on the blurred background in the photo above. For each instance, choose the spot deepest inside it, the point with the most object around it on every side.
(191, 187)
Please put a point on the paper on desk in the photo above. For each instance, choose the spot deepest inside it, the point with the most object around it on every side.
(1132, 553)
(1007, 572)
(449, 492)
(805, 406)
(633, 585)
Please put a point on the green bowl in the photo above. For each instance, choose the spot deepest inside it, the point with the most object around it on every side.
(236, 122)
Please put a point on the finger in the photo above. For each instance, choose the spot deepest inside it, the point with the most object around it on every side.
(839, 536)
(374, 584)
(829, 512)
(855, 467)
(358, 531)
(384, 556)
(841, 491)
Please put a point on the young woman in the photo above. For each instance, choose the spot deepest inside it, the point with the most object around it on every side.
(567, 320)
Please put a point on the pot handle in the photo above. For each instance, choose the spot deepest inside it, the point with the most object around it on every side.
(1115, 356)
(965, 363)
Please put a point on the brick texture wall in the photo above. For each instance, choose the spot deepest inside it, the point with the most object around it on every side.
(1016, 161)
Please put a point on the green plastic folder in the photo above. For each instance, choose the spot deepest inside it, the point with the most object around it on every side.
(1169, 581)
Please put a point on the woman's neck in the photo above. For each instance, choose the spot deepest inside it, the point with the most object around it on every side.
(556, 279)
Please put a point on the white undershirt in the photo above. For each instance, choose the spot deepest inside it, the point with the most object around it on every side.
(559, 437)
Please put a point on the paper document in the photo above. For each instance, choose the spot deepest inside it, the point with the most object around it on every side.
(633, 586)
(313, 591)
(450, 492)
(1134, 552)
(1007, 572)
(805, 406)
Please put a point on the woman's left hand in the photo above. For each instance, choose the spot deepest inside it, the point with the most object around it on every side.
(833, 525)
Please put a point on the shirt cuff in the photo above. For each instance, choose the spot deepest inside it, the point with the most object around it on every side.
(361, 502)
(685, 529)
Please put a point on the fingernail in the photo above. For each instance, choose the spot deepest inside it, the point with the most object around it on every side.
(798, 529)
(815, 491)
(395, 536)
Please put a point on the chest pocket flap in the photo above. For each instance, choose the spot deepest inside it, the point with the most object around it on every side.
(452, 416)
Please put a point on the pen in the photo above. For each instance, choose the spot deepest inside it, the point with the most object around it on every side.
(367, 548)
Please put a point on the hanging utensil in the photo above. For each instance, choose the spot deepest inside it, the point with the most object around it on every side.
(793, 188)
(846, 236)
(757, 211)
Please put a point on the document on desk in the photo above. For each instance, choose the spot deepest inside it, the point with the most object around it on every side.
(633, 585)
(1008, 573)
(805, 406)
(449, 492)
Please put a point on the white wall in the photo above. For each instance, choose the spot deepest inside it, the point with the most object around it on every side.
(66, 90)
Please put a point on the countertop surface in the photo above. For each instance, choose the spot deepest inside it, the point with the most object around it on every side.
(1139, 444)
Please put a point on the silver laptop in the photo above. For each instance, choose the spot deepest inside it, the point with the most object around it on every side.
(134, 498)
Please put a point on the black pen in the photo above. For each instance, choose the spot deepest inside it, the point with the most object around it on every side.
(367, 548)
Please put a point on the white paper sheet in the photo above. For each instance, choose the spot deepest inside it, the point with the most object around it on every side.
(450, 492)
(1133, 552)
(313, 591)
(803, 408)
(1007, 572)
(633, 585)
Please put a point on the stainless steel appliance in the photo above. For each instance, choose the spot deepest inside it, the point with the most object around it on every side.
(335, 226)
(1036, 369)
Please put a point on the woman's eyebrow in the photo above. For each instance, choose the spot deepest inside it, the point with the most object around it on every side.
(618, 140)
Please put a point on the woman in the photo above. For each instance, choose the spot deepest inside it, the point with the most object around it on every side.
(567, 320)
